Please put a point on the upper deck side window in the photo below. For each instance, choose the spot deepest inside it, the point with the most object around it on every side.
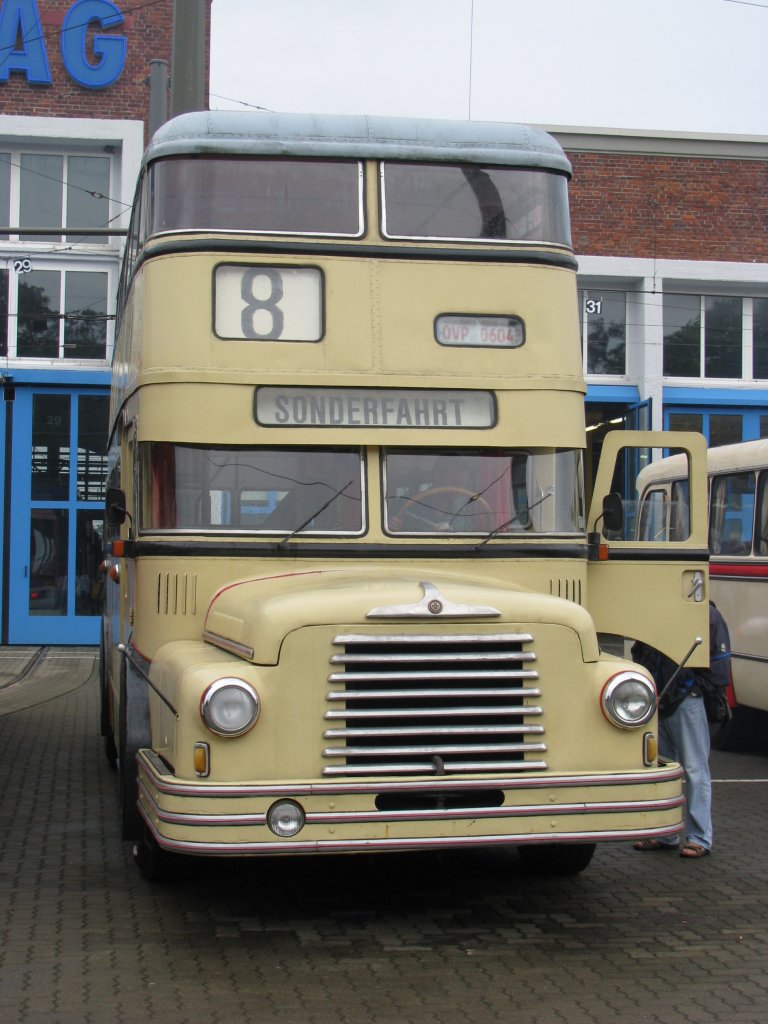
(468, 202)
(272, 196)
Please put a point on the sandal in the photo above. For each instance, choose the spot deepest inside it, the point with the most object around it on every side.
(692, 851)
(655, 845)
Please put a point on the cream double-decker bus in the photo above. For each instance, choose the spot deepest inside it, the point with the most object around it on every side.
(357, 602)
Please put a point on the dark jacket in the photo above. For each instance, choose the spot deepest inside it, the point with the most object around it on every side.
(694, 680)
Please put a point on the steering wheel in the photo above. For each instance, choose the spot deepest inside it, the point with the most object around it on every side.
(418, 510)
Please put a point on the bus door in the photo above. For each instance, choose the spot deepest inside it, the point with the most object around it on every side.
(57, 500)
(656, 590)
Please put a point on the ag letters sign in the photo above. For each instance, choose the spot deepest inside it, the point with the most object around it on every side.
(92, 59)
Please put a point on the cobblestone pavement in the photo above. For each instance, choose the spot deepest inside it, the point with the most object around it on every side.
(362, 940)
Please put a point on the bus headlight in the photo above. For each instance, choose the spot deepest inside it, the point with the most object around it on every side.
(628, 700)
(230, 707)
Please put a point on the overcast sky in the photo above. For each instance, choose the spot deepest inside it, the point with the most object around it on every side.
(667, 65)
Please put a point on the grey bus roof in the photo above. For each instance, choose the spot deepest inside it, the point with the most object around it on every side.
(261, 133)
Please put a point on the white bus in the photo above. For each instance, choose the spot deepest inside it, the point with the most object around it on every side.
(738, 545)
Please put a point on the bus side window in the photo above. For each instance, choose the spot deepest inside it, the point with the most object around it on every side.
(761, 539)
(732, 509)
(652, 521)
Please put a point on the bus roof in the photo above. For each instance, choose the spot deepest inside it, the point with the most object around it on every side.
(262, 133)
(745, 455)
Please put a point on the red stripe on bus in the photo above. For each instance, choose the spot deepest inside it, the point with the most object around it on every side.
(754, 570)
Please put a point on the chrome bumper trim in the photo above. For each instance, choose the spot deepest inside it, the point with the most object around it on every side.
(204, 788)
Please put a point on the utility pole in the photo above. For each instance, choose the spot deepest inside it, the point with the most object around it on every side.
(158, 94)
(188, 57)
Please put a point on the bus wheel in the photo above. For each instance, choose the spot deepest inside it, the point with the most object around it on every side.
(155, 863)
(741, 733)
(132, 821)
(556, 858)
(110, 747)
(110, 750)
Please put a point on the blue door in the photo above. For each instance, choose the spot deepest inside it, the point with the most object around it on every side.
(57, 510)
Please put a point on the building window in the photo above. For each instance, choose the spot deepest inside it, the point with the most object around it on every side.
(682, 336)
(760, 339)
(92, 437)
(724, 428)
(4, 313)
(56, 191)
(722, 336)
(5, 191)
(60, 314)
(719, 428)
(603, 316)
(704, 336)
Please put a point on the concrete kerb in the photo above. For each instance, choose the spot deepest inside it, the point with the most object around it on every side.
(33, 675)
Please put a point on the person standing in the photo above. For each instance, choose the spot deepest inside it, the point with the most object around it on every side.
(684, 733)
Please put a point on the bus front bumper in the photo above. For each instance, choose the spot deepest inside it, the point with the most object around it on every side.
(214, 819)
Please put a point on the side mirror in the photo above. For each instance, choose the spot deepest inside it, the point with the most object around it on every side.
(116, 511)
(613, 512)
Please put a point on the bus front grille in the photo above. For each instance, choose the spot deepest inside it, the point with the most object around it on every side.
(433, 705)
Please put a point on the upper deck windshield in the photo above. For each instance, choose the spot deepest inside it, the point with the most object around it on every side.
(467, 202)
(463, 202)
(276, 196)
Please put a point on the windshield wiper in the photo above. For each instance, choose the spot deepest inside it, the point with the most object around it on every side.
(516, 518)
(315, 514)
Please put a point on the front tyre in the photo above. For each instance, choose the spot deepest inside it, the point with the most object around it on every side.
(556, 858)
(155, 863)
(110, 747)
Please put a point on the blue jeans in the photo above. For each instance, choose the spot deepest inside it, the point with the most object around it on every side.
(684, 737)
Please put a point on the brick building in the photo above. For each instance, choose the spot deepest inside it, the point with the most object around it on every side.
(74, 110)
(670, 233)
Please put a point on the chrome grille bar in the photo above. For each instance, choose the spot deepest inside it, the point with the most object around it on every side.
(340, 677)
(458, 692)
(384, 713)
(443, 730)
(516, 656)
(474, 717)
(405, 640)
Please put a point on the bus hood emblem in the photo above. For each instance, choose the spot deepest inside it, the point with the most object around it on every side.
(432, 605)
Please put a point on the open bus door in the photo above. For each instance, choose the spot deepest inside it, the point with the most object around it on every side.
(658, 590)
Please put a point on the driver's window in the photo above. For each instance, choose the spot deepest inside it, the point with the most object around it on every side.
(451, 491)
(653, 516)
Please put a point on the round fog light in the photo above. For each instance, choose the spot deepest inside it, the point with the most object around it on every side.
(285, 818)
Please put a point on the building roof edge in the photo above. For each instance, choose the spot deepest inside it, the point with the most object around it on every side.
(577, 139)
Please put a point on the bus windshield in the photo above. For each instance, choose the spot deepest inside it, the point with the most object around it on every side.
(270, 490)
(469, 202)
(483, 492)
